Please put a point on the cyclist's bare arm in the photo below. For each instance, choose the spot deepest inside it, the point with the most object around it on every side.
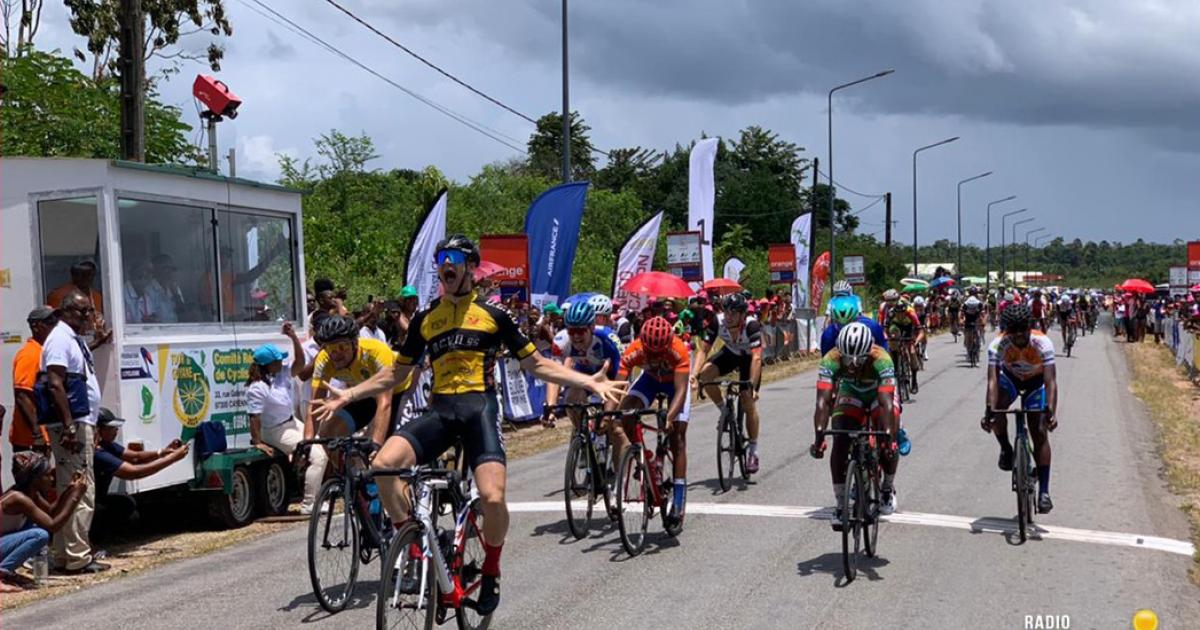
(681, 394)
(1051, 378)
(385, 380)
(756, 368)
(553, 372)
(382, 422)
(887, 412)
(824, 407)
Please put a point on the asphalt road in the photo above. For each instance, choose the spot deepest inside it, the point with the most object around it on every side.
(760, 557)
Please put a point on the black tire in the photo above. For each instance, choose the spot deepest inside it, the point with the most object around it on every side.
(902, 378)
(579, 493)
(470, 573)
(633, 507)
(235, 509)
(667, 487)
(851, 523)
(726, 453)
(740, 440)
(271, 488)
(405, 610)
(871, 515)
(331, 522)
(1021, 484)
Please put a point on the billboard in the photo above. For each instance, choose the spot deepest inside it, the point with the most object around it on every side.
(510, 251)
(684, 257)
(1179, 280)
(781, 262)
(854, 270)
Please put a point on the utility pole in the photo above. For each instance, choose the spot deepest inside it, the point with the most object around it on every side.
(566, 108)
(133, 130)
(812, 224)
(887, 222)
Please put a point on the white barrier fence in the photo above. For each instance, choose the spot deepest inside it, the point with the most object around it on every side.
(1183, 344)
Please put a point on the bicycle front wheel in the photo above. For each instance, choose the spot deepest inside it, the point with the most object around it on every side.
(740, 440)
(1020, 486)
(871, 507)
(726, 455)
(851, 522)
(470, 573)
(579, 496)
(332, 547)
(407, 590)
(633, 499)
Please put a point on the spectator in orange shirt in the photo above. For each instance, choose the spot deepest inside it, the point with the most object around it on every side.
(25, 434)
(83, 274)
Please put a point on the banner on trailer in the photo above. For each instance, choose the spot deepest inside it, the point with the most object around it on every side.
(637, 256)
(800, 228)
(733, 269)
(510, 251)
(781, 263)
(420, 271)
(552, 225)
(685, 255)
(820, 277)
(701, 197)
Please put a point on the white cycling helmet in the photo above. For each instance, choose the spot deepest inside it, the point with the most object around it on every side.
(972, 302)
(601, 304)
(919, 301)
(841, 287)
(855, 341)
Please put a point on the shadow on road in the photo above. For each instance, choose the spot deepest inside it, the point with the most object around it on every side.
(1006, 526)
(363, 596)
(714, 485)
(831, 564)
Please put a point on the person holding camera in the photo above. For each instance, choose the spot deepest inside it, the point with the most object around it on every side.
(27, 519)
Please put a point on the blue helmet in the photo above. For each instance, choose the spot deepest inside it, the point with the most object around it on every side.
(581, 313)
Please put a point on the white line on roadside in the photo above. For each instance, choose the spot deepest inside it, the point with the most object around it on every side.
(982, 525)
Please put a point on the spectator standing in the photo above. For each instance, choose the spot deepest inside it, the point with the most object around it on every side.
(83, 275)
(27, 519)
(409, 301)
(26, 434)
(139, 304)
(165, 293)
(75, 392)
(273, 424)
(368, 323)
(113, 460)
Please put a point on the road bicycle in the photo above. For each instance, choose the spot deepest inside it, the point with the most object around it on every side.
(861, 497)
(1071, 327)
(732, 440)
(588, 476)
(432, 570)
(1024, 472)
(973, 343)
(904, 374)
(645, 481)
(348, 525)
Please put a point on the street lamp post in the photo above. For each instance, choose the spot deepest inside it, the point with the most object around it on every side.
(1027, 235)
(960, 185)
(1003, 255)
(987, 270)
(1037, 242)
(566, 111)
(1013, 242)
(928, 146)
(832, 190)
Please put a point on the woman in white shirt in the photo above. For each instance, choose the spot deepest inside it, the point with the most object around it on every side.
(270, 405)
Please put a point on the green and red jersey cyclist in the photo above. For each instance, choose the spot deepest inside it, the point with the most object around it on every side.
(741, 350)
(1021, 364)
(665, 364)
(856, 384)
(461, 336)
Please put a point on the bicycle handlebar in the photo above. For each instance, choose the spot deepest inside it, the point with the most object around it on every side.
(565, 406)
(738, 384)
(857, 432)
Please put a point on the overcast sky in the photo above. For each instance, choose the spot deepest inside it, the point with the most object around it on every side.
(1087, 110)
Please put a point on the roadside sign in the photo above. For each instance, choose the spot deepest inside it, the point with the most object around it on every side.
(1179, 280)
(510, 251)
(1193, 251)
(781, 262)
(854, 270)
(683, 255)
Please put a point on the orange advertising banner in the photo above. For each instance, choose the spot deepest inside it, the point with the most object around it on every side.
(1193, 251)
(781, 262)
(510, 251)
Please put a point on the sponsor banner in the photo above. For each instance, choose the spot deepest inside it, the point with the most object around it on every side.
(800, 233)
(552, 224)
(685, 255)
(510, 251)
(781, 262)
(137, 363)
(637, 256)
(701, 196)
(1193, 251)
(733, 269)
(854, 270)
(820, 276)
(420, 270)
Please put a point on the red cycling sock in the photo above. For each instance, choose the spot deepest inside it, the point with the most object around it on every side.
(491, 559)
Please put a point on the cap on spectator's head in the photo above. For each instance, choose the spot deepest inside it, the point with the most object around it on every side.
(27, 466)
(267, 354)
(552, 309)
(408, 292)
(40, 314)
(108, 419)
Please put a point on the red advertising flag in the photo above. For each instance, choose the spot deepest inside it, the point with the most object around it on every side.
(510, 251)
(1193, 251)
(820, 275)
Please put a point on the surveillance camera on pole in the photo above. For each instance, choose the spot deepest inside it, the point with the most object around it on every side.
(221, 103)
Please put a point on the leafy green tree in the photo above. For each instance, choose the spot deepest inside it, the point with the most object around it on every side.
(25, 19)
(53, 110)
(545, 148)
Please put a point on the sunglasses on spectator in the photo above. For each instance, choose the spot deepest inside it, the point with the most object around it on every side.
(454, 256)
(575, 331)
(87, 310)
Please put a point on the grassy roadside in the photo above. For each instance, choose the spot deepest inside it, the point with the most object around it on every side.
(137, 553)
(1174, 404)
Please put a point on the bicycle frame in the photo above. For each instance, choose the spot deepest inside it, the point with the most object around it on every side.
(352, 483)
(661, 444)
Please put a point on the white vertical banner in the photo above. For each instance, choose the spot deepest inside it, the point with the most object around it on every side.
(733, 269)
(421, 273)
(637, 256)
(701, 197)
(800, 230)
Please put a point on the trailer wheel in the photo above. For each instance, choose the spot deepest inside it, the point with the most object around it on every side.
(271, 488)
(235, 509)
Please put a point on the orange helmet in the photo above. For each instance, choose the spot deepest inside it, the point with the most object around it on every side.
(656, 333)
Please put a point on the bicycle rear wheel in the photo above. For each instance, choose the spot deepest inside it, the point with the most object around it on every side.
(579, 495)
(333, 547)
(902, 377)
(740, 440)
(851, 522)
(633, 495)
(726, 453)
(871, 514)
(468, 567)
(1020, 485)
(403, 604)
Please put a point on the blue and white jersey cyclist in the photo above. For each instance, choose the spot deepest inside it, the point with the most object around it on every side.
(587, 347)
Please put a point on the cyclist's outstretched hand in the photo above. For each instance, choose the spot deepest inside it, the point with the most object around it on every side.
(817, 450)
(324, 409)
(608, 391)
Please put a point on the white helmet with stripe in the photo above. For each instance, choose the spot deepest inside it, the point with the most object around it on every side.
(855, 341)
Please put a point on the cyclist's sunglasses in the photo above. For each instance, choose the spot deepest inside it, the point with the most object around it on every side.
(454, 256)
(576, 331)
(856, 361)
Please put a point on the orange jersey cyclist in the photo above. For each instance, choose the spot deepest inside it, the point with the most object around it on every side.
(1021, 363)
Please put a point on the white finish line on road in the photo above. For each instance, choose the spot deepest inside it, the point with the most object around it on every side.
(966, 523)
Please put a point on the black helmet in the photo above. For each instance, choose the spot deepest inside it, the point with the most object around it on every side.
(735, 302)
(462, 244)
(1016, 318)
(336, 328)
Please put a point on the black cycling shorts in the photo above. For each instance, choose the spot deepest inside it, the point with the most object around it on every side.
(360, 413)
(473, 418)
(727, 362)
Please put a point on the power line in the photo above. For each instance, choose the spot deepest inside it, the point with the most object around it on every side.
(479, 127)
(868, 207)
(848, 189)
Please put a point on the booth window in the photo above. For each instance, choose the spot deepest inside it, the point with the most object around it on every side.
(168, 263)
(258, 276)
(70, 248)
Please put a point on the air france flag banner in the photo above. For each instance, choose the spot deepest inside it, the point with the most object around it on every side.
(552, 225)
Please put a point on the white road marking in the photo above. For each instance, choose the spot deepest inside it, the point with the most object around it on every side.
(983, 525)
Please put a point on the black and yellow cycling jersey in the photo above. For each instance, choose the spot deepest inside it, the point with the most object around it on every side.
(462, 340)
